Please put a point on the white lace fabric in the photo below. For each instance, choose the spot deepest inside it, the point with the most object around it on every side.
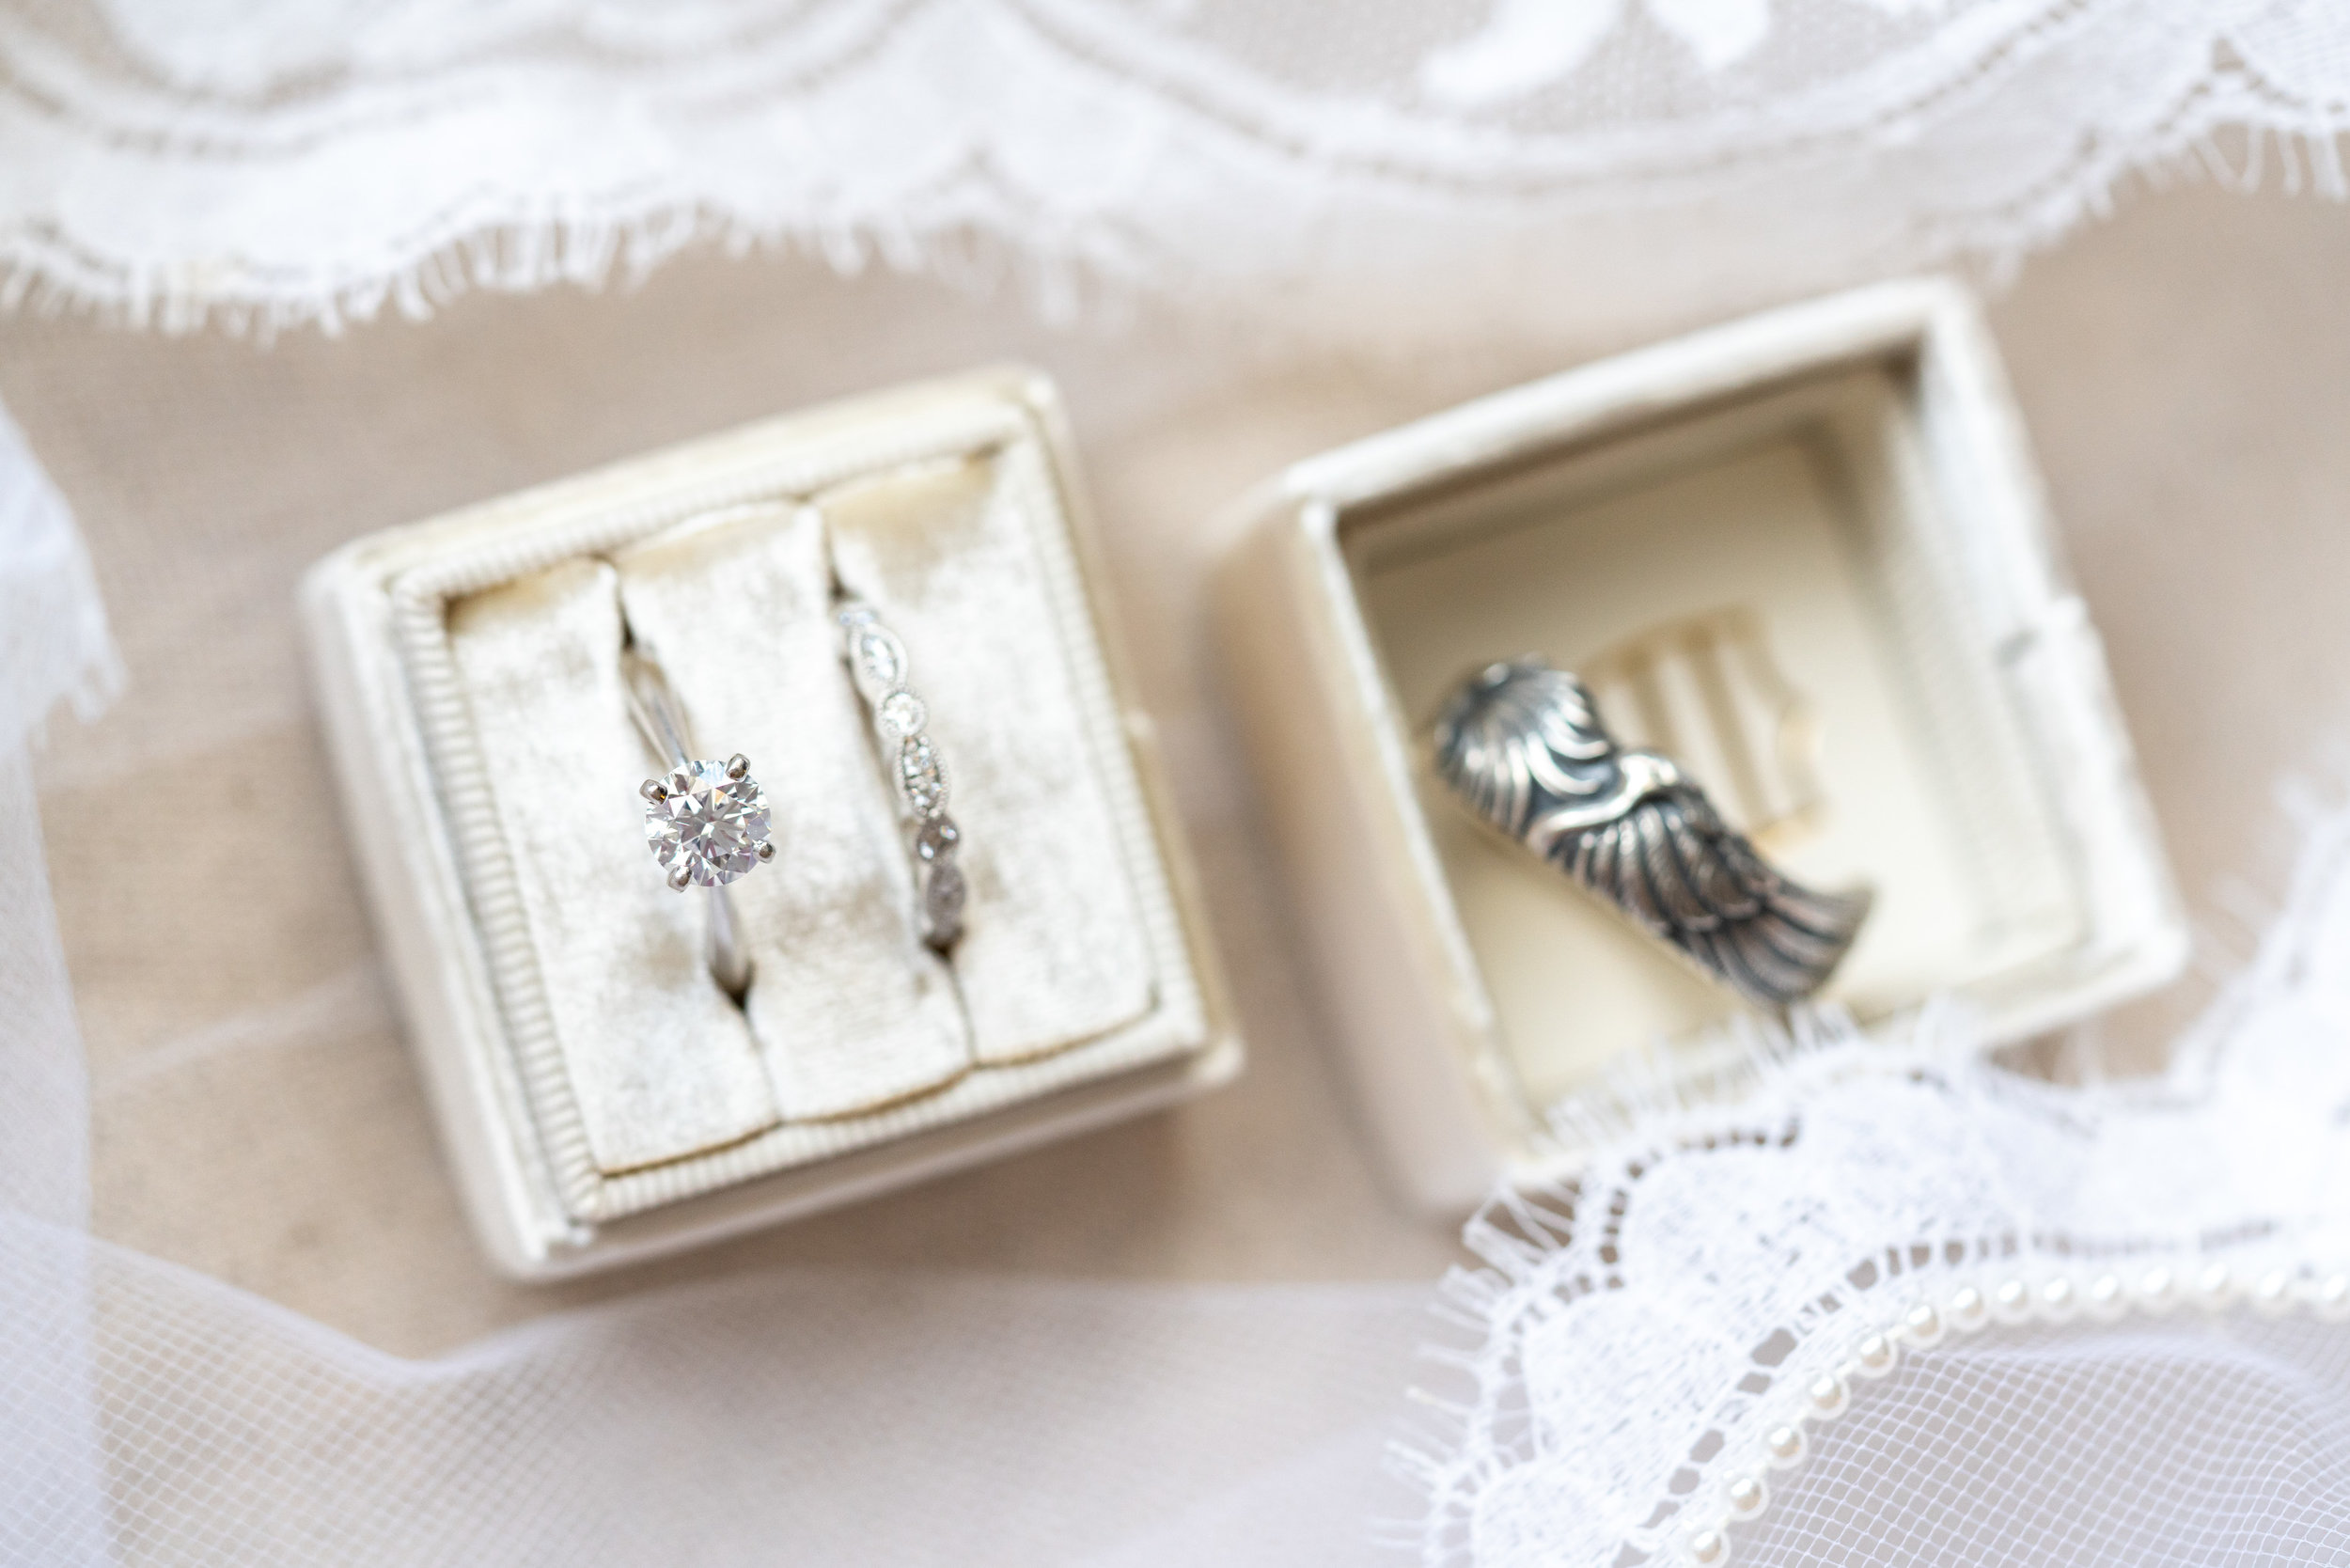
(1392, 177)
(2147, 1370)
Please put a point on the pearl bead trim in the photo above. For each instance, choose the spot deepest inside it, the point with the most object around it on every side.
(2051, 1299)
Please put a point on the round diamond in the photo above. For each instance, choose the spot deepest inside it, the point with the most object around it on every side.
(903, 714)
(713, 827)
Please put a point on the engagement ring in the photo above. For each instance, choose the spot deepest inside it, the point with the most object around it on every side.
(705, 821)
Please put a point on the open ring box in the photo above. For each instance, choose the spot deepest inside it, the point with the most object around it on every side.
(601, 1098)
(1806, 555)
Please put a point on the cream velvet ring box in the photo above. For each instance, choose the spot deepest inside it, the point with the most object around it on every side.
(1806, 556)
(601, 1096)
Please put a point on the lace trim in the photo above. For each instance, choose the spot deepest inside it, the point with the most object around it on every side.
(1642, 1342)
(171, 176)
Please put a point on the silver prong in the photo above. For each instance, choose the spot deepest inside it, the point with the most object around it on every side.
(737, 766)
(681, 781)
(654, 791)
(680, 876)
(765, 849)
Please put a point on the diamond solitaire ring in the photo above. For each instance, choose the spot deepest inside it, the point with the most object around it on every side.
(705, 821)
(1523, 746)
(877, 663)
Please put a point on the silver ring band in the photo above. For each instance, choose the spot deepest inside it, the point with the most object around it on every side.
(878, 665)
(1522, 746)
(705, 821)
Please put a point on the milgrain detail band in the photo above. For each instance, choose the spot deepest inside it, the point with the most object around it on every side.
(878, 664)
(1524, 747)
(705, 821)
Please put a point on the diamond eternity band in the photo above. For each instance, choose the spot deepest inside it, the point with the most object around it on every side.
(878, 665)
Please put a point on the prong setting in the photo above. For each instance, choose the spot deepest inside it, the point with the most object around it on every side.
(708, 822)
(705, 821)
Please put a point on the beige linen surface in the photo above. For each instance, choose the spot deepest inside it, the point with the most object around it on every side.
(255, 1114)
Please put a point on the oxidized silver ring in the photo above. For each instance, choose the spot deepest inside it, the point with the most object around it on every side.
(878, 664)
(705, 821)
(1523, 745)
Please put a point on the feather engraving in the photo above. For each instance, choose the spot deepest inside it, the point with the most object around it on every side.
(1523, 745)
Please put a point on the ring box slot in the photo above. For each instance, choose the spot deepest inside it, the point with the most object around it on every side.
(1803, 554)
(622, 972)
(602, 1097)
(1055, 950)
(848, 1010)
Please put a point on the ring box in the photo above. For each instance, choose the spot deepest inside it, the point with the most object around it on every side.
(601, 1098)
(1806, 556)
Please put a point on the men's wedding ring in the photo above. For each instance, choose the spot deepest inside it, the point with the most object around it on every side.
(1523, 746)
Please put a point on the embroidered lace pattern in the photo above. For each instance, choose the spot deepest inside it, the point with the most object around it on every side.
(1395, 175)
(1896, 1304)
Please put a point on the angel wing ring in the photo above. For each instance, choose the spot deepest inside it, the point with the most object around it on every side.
(1523, 746)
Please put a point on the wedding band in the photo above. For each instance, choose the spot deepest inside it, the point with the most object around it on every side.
(1522, 746)
(878, 664)
(705, 821)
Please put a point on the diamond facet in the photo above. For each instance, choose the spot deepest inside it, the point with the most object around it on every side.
(708, 822)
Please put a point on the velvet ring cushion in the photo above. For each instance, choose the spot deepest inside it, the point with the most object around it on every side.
(952, 555)
(660, 1064)
(851, 1010)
